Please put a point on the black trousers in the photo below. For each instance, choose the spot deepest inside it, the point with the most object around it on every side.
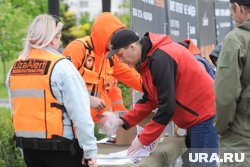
(41, 158)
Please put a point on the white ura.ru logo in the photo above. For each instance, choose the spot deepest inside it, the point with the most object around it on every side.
(214, 157)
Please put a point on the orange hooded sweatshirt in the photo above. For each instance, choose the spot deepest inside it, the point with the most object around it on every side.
(102, 30)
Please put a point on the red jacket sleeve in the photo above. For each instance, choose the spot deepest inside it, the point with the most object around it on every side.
(141, 110)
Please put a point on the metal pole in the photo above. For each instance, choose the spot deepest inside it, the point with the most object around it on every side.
(53, 7)
(106, 5)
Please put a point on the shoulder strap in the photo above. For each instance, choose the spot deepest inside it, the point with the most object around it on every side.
(88, 46)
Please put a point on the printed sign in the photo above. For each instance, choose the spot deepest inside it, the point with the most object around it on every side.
(183, 19)
(206, 24)
(149, 15)
(223, 19)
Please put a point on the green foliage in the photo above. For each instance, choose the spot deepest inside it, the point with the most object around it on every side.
(69, 21)
(12, 30)
(125, 17)
(3, 89)
(10, 156)
(37, 6)
(72, 29)
(86, 22)
(125, 94)
(98, 135)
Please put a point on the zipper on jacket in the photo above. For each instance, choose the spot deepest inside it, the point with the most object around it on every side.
(187, 109)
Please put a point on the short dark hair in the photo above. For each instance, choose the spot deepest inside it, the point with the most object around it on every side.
(241, 2)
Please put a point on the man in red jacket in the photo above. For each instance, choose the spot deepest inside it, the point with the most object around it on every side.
(174, 82)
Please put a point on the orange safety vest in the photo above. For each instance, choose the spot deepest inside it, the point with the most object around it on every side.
(36, 112)
(102, 84)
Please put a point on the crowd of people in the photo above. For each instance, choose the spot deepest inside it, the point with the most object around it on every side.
(56, 98)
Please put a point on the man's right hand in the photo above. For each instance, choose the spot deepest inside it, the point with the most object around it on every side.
(97, 103)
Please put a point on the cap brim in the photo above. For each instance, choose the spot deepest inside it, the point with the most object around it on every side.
(111, 53)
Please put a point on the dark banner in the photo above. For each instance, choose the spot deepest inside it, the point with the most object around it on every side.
(148, 15)
(206, 24)
(182, 19)
(223, 19)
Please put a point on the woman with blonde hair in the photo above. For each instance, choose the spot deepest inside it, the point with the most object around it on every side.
(47, 112)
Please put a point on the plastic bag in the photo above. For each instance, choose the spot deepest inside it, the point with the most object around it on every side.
(109, 123)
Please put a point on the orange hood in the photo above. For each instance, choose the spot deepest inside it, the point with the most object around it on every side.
(102, 30)
(192, 48)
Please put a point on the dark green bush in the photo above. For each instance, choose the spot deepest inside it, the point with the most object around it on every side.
(10, 156)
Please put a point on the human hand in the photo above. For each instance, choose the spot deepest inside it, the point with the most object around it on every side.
(97, 103)
(135, 147)
(89, 162)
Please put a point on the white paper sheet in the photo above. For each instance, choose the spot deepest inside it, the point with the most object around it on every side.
(117, 158)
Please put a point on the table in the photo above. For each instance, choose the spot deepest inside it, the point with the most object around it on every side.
(165, 154)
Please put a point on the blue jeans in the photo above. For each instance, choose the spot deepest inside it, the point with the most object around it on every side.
(201, 138)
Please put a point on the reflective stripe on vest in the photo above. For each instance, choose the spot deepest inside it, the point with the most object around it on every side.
(115, 95)
(27, 93)
(30, 134)
(117, 102)
(33, 114)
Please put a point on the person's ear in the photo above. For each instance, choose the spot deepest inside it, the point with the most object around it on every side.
(235, 7)
(238, 8)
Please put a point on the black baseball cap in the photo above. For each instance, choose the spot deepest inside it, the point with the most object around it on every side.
(241, 2)
(122, 38)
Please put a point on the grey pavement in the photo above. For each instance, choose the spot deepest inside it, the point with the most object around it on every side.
(4, 103)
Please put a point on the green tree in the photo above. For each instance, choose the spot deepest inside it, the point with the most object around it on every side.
(13, 27)
(87, 23)
(30, 7)
(72, 30)
(69, 21)
(125, 15)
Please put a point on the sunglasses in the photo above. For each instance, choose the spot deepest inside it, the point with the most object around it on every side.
(56, 18)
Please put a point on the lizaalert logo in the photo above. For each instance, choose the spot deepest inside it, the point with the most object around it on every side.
(215, 157)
